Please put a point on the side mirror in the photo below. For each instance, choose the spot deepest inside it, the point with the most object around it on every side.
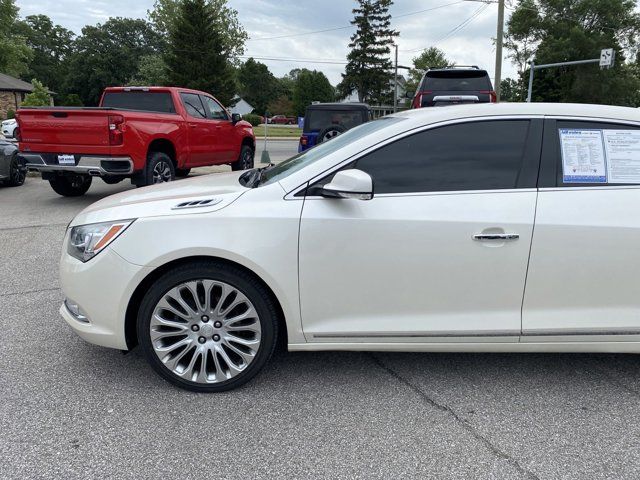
(409, 94)
(235, 118)
(350, 184)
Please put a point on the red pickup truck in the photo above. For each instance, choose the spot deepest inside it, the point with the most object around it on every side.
(282, 120)
(148, 134)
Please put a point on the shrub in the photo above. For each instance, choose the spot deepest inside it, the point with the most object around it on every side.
(253, 119)
(39, 97)
(11, 114)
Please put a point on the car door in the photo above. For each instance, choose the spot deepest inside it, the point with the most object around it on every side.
(227, 146)
(201, 131)
(584, 272)
(442, 248)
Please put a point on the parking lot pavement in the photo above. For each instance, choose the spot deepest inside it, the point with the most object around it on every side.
(72, 410)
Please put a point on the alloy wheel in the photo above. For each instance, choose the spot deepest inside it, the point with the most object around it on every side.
(17, 174)
(205, 331)
(161, 173)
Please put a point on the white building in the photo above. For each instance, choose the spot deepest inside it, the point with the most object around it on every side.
(242, 107)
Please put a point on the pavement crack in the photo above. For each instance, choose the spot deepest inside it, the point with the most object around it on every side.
(462, 422)
(26, 292)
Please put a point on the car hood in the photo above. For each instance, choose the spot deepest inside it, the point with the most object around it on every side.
(202, 194)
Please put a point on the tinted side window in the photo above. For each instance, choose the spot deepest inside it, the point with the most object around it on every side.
(193, 105)
(216, 112)
(482, 155)
(554, 149)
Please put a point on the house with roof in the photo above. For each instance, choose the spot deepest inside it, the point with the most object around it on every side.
(12, 93)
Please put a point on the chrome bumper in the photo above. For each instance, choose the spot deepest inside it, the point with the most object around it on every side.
(96, 166)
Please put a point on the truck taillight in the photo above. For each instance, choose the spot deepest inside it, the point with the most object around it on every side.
(116, 124)
(16, 134)
(304, 140)
(492, 95)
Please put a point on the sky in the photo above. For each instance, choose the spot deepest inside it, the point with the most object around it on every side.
(463, 29)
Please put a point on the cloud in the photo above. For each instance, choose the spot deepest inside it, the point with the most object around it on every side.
(271, 18)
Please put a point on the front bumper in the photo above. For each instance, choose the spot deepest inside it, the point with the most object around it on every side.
(87, 165)
(102, 287)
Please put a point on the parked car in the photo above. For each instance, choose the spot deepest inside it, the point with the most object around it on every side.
(12, 171)
(324, 121)
(282, 120)
(9, 127)
(148, 134)
(454, 85)
(409, 233)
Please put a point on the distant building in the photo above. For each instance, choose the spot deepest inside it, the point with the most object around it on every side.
(242, 106)
(12, 93)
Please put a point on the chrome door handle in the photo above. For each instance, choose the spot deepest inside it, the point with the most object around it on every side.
(496, 236)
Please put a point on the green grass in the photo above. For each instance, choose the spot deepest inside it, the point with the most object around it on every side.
(292, 132)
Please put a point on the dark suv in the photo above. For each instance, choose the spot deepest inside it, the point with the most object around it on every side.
(323, 121)
(454, 85)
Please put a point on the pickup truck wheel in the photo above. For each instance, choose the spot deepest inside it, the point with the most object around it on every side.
(159, 169)
(245, 160)
(182, 172)
(70, 185)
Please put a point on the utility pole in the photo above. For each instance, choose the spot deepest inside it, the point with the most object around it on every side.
(395, 83)
(499, 37)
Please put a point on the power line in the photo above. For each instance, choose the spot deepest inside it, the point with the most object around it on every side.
(351, 26)
(455, 29)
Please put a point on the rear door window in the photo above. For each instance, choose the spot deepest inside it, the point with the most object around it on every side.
(160, 102)
(193, 105)
(587, 153)
(321, 119)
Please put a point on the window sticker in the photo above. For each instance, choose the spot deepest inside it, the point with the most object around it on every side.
(583, 156)
(623, 155)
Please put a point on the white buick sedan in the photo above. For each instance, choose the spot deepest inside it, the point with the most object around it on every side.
(485, 228)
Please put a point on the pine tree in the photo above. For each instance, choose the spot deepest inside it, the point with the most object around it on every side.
(369, 65)
(196, 57)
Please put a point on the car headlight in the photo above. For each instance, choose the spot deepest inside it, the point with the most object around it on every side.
(86, 241)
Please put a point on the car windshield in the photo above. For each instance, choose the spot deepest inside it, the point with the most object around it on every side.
(293, 164)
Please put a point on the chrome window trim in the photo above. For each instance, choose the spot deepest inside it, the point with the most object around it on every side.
(292, 194)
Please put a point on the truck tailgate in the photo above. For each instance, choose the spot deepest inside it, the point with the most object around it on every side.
(60, 129)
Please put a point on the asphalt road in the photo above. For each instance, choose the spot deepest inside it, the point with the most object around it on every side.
(72, 410)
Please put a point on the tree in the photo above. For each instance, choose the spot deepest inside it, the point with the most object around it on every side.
(15, 54)
(108, 54)
(511, 90)
(557, 31)
(282, 106)
(51, 46)
(151, 71)
(368, 69)
(39, 97)
(431, 57)
(225, 22)
(196, 56)
(311, 86)
(258, 86)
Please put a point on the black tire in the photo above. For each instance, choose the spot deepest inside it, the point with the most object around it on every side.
(72, 185)
(330, 132)
(182, 172)
(234, 276)
(17, 173)
(159, 169)
(245, 160)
